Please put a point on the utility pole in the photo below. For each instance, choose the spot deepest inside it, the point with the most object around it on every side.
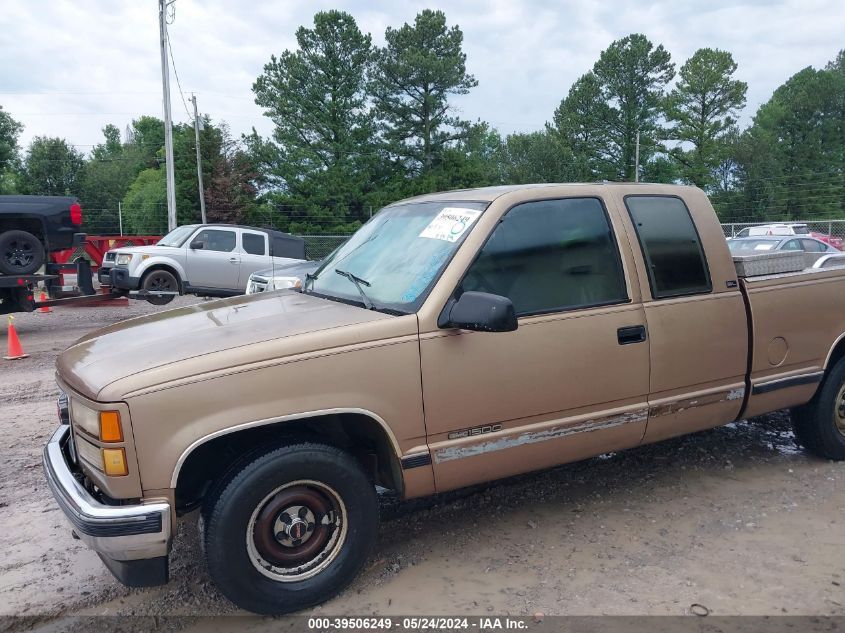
(120, 217)
(168, 124)
(197, 128)
(637, 159)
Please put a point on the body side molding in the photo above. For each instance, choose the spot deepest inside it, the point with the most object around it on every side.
(791, 381)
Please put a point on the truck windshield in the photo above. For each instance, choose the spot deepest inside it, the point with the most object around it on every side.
(177, 236)
(397, 255)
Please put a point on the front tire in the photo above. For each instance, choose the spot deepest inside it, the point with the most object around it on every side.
(158, 281)
(290, 529)
(820, 424)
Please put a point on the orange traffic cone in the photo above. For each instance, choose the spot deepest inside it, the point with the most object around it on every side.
(15, 351)
(43, 298)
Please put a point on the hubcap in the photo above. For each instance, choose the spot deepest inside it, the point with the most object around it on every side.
(296, 531)
(840, 410)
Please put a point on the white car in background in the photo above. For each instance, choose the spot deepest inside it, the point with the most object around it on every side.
(212, 260)
(280, 277)
(789, 228)
(774, 229)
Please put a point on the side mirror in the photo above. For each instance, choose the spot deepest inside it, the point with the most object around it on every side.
(480, 312)
(197, 245)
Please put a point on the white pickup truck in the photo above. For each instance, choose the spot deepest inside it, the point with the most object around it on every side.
(213, 260)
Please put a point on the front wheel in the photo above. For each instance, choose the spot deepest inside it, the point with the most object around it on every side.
(160, 281)
(820, 424)
(291, 529)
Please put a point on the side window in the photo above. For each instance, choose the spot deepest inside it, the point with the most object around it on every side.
(812, 246)
(549, 256)
(217, 240)
(670, 244)
(254, 243)
(792, 245)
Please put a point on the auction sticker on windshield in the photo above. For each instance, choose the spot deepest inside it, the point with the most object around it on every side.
(450, 224)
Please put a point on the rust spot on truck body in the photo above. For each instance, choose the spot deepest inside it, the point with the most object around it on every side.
(533, 437)
(678, 406)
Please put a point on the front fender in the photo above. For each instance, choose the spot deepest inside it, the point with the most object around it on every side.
(376, 379)
(158, 261)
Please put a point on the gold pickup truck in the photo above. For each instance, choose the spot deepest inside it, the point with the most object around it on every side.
(456, 338)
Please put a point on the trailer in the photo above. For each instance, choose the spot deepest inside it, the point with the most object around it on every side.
(18, 292)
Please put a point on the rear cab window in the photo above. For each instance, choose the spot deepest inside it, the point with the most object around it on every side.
(671, 246)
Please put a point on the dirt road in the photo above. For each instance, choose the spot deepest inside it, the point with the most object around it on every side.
(736, 519)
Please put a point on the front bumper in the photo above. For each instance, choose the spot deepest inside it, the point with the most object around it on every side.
(132, 540)
(119, 278)
(104, 275)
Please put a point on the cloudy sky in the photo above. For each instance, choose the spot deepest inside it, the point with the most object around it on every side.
(68, 67)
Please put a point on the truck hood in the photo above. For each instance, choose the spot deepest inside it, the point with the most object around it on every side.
(178, 344)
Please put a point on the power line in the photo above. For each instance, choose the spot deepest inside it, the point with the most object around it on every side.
(176, 74)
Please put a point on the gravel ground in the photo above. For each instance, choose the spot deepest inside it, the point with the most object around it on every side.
(736, 519)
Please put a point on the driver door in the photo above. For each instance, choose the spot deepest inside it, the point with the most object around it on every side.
(570, 382)
(217, 264)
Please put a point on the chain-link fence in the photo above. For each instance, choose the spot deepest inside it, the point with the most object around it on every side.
(825, 228)
(318, 246)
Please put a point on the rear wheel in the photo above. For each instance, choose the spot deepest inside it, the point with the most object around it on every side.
(21, 253)
(820, 424)
(160, 281)
(291, 529)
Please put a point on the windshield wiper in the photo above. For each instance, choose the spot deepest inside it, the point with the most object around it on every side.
(358, 283)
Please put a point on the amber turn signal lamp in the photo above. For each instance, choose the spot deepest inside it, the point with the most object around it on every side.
(114, 462)
(110, 430)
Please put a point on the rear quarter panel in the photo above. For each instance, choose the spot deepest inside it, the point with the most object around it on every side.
(797, 320)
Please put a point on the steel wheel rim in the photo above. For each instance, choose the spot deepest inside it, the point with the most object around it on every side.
(284, 550)
(19, 254)
(839, 413)
(160, 283)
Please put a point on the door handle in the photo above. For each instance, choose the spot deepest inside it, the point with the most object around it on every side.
(631, 334)
(234, 260)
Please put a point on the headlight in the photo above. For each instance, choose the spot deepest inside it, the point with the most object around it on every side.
(123, 259)
(104, 425)
(86, 419)
(278, 283)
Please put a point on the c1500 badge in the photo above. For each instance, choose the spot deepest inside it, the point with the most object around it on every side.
(478, 430)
